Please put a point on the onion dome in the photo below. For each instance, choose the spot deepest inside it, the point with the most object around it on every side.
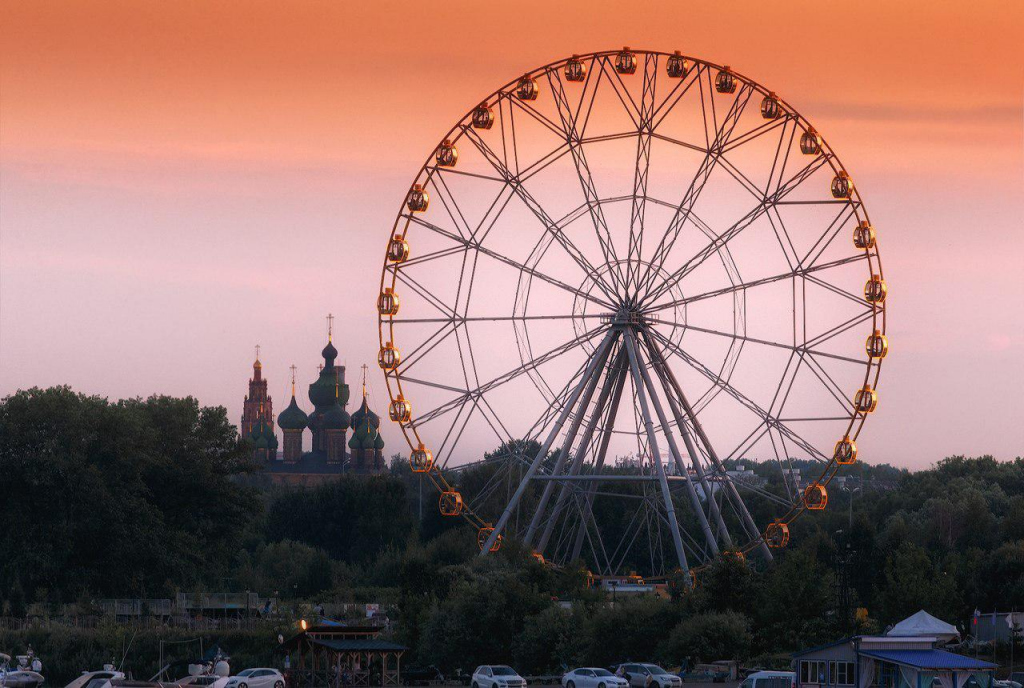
(336, 418)
(329, 353)
(363, 413)
(369, 437)
(379, 442)
(353, 442)
(292, 418)
(324, 393)
(263, 436)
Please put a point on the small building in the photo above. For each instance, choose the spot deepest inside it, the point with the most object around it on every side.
(997, 626)
(330, 655)
(889, 662)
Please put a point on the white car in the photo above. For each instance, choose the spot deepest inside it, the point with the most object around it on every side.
(593, 677)
(497, 676)
(648, 676)
(770, 679)
(257, 678)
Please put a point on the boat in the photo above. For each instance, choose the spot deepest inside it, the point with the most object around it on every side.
(97, 679)
(25, 675)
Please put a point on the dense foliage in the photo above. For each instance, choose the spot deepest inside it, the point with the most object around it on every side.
(144, 498)
(132, 498)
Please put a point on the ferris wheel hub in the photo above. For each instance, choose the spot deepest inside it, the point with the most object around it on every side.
(629, 317)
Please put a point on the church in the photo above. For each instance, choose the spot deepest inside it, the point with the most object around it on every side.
(340, 443)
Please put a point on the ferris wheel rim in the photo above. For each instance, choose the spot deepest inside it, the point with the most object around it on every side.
(402, 223)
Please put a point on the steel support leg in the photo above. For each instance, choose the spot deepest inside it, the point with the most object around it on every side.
(734, 496)
(602, 452)
(570, 403)
(666, 494)
(581, 453)
(659, 369)
(698, 509)
(567, 444)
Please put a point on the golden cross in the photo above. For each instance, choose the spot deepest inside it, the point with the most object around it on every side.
(364, 366)
(293, 379)
(330, 325)
(257, 352)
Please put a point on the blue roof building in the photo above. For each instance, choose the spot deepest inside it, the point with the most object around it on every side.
(889, 662)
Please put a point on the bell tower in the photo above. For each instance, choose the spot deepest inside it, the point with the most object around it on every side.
(257, 405)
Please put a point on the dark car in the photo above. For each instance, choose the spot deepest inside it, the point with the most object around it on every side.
(421, 676)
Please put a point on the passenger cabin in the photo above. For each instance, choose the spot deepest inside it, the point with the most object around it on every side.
(889, 662)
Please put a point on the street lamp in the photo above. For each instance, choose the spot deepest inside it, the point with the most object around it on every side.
(851, 491)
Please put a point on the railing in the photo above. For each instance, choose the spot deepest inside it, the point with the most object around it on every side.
(9, 623)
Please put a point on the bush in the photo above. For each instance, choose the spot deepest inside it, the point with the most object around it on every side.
(707, 638)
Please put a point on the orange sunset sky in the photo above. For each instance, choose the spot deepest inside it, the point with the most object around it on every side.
(182, 180)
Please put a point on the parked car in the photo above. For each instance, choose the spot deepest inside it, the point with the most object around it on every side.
(770, 679)
(648, 676)
(593, 677)
(421, 676)
(257, 678)
(497, 676)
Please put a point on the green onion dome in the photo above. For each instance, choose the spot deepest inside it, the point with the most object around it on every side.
(364, 413)
(336, 418)
(369, 438)
(329, 353)
(293, 418)
(263, 436)
(379, 442)
(272, 443)
(323, 392)
(353, 442)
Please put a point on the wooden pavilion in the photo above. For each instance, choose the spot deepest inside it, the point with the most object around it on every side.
(332, 655)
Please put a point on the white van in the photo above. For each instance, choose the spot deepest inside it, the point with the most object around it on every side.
(770, 679)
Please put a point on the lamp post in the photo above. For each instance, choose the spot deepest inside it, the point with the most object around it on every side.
(852, 491)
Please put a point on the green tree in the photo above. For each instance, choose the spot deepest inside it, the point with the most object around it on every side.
(913, 582)
(706, 638)
(127, 498)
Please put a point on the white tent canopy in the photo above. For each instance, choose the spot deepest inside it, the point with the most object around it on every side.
(924, 624)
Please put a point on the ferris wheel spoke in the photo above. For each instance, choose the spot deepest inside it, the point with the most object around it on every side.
(641, 170)
(697, 185)
(510, 375)
(742, 179)
(743, 286)
(525, 107)
(614, 79)
(586, 178)
(451, 206)
(828, 236)
(424, 293)
(498, 318)
(761, 130)
(855, 298)
(424, 348)
(829, 382)
(729, 234)
(674, 388)
(533, 272)
(673, 97)
(744, 400)
(839, 329)
(535, 208)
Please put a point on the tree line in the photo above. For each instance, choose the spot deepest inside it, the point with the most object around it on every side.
(145, 498)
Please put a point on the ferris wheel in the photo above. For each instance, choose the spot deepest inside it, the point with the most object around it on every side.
(614, 278)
